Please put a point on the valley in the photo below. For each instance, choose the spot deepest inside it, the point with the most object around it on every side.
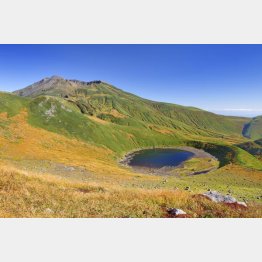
(61, 142)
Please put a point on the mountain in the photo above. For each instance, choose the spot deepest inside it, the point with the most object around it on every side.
(108, 103)
(253, 129)
(104, 115)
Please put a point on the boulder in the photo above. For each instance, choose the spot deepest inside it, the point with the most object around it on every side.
(218, 197)
(176, 212)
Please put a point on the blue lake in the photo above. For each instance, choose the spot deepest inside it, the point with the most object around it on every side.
(157, 158)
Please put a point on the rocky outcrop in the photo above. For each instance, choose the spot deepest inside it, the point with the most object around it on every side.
(85, 83)
(219, 198)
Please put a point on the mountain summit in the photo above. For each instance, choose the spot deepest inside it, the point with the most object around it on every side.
(54, 85)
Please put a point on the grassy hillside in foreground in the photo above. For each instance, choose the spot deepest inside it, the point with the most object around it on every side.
(26, 195)
(99, 187)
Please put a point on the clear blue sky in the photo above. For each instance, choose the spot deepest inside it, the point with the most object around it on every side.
(226, 79)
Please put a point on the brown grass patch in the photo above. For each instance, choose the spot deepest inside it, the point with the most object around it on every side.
(161, 130)
(3, 115)
(116, 114)
(98, 120)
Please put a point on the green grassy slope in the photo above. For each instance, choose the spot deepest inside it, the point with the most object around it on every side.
(103, 98)
(202, 119)
(253, 147)
(12, 104)
(253, 129)
(60, 116)
(259, 142)
(116, 106)
(247, 159)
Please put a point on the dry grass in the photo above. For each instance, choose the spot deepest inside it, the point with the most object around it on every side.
(196, 165)
(28, 195)
(98, 120)
(20, 141)
(116, 114)
(161, 130)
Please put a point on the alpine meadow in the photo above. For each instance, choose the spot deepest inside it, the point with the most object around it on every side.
(74, 148)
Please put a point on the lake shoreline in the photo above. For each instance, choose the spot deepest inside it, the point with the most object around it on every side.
(197, 153)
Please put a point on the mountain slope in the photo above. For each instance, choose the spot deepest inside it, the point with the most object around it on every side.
(104, 102)
(253, 147)
(12, 104)
(106, 116)
(253, 129)
(259, 142)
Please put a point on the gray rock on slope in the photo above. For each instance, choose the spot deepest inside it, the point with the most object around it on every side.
(218, 197)
(176, 212)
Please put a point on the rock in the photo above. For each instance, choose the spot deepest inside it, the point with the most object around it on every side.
(218, 197)
(51, 111)
(69, 168)
(85, 83)
(176, 212)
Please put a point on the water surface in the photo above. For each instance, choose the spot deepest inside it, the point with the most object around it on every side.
(157, 158)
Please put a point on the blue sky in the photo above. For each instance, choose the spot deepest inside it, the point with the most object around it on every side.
(225, 79)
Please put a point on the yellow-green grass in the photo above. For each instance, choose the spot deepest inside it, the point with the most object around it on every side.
(21, 143)
(196, 165)
(30, 195)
